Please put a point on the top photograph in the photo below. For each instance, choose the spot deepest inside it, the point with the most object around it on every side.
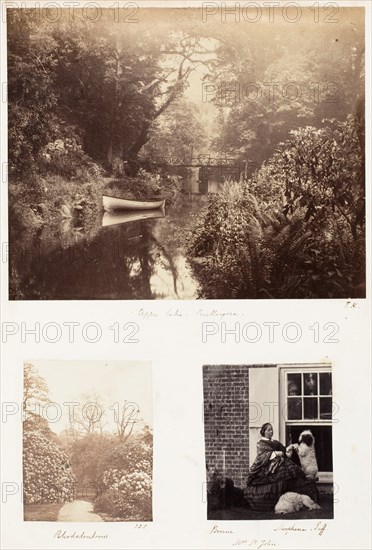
(186, 153)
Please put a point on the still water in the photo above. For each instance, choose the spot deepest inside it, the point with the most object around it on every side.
(125, 258)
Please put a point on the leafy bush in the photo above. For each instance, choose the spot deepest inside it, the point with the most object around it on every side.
(50, 198)
(128, 498)
(65, 157)
(32, 94)
(146, 186)
(295, 230)
(47, 475)
(127, 480)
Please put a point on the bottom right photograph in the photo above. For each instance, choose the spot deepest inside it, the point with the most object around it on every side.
(268, 441)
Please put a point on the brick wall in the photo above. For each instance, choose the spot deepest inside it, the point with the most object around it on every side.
(226, 415)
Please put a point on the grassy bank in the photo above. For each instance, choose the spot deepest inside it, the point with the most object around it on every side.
(42, 512)
(50, 200)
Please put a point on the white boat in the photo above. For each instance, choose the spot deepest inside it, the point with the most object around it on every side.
(114, 203)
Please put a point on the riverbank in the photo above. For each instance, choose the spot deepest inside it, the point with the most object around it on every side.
(51, 200)
(56, 248)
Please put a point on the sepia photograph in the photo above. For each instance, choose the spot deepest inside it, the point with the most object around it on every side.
(268, 441)
(87, 441)
(186, 153)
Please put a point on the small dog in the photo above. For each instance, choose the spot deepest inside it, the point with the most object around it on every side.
(306, 452)
(294, 502)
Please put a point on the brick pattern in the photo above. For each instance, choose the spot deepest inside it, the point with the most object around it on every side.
(226, 415)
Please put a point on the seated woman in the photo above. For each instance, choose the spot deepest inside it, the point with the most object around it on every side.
(273, 473)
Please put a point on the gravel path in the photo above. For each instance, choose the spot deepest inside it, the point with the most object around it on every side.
(78, 510)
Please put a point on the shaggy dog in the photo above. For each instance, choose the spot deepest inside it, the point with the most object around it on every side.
(306, 452)
(294, 502)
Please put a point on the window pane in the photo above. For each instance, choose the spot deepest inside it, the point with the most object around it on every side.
(310, 383)
(325, 380)
(323, 443)
(294, 384)
(294, 408)
(325, 405)
(310, 407)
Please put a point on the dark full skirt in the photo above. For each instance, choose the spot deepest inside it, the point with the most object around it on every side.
(263, 490)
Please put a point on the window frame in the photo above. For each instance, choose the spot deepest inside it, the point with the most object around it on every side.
(324, 477)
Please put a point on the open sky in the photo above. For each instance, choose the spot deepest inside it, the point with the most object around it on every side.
(114, 381)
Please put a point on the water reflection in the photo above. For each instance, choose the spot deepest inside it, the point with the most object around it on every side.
(198, 182)
(119, 217)
(127, 258)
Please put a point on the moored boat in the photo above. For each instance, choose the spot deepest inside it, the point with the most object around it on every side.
(114, 203)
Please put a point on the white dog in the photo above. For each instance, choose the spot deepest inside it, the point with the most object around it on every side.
(306, 452)
(293, 502)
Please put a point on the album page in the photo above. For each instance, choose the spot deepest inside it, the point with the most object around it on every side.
(185, 274)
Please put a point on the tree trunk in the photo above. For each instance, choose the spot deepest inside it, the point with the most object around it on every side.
(132, 161)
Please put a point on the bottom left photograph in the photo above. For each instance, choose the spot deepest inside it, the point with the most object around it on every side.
(87, 441)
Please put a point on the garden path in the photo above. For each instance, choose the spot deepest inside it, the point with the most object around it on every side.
(78, 510)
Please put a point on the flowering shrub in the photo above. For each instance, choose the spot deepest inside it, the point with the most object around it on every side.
(47, 475)
(128, 482)
(128, 497)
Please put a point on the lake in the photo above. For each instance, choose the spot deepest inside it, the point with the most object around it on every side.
(132, 259)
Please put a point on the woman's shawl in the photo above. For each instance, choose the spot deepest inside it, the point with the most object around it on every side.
(265, 447)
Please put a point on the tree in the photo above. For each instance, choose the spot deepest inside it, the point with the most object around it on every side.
(278, 86)
(116, 81)
(177, 133)
(85, 454)
(32, 95)
(89, 416)
(96, 82)
(35, 394)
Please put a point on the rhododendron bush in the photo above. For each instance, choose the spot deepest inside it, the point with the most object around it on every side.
(127, 478)
(47, 475)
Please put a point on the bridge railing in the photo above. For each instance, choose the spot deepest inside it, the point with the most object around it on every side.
(201, 160)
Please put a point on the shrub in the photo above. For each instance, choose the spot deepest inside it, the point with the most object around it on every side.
(66, 157)
(128, 497)
(294, 230)
(47, 475)
(127, 481)
(145, 186)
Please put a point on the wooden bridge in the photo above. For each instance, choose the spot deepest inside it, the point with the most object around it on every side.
(196, 162)
(210, 168)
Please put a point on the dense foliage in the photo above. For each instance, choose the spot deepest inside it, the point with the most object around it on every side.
(265, 90)
(127, 481)
(295, 229)
(94, 88)
(47, 472)
(112, 469)
(89, 98)
(86, 461)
